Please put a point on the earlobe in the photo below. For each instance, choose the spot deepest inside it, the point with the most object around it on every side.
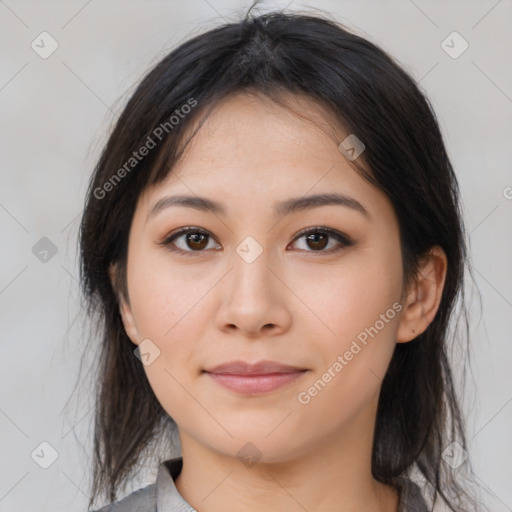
(424, 296)
(124, 308)
(128, 322)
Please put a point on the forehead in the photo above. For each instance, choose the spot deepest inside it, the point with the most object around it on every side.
(251, 150)
(249, 135)
(245, 123)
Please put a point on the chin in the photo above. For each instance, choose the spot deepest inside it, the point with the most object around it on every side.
(251, 446)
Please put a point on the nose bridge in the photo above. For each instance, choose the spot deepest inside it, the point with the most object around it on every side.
(252, 299)
(251, 279)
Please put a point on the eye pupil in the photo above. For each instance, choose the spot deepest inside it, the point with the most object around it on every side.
(314, 237)
(197, 240)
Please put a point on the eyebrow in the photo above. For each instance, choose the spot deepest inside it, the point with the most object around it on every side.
(281, 208)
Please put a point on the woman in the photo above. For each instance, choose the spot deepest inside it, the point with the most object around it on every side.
(273, 242)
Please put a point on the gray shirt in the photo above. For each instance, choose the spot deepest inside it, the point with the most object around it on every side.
(162, 496)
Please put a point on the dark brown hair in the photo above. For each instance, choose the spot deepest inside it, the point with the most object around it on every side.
(372, 97)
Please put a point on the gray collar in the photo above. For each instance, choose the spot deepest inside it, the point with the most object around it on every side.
(167, 496)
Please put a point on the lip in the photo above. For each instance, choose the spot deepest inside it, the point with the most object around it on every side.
(258, 368)
(254, 378)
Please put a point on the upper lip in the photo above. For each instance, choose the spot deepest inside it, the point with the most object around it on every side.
(259, 368)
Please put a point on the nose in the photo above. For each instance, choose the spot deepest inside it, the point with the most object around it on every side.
(253, 300)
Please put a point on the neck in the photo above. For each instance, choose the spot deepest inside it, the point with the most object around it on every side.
(334, 475)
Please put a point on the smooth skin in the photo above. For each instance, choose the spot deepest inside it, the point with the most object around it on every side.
(301, 302)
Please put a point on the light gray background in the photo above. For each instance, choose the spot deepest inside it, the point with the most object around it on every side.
(56, 114)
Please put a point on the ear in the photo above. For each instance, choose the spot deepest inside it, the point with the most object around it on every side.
(124, 307)
(423, 296)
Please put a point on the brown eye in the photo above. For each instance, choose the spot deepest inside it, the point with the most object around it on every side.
(317, 239)
(189, 240)
(196, 241)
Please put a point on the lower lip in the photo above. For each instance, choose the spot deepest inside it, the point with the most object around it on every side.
(254, 384)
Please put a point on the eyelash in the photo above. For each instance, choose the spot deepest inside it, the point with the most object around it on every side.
(344, 240)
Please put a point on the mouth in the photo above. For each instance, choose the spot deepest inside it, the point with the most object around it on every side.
(254, 378)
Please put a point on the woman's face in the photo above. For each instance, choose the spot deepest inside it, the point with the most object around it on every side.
(265, 279)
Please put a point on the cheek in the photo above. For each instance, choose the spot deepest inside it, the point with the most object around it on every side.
(164, 299)
(167, 309)
(359, 305)
(353, 297)
(352, 363)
